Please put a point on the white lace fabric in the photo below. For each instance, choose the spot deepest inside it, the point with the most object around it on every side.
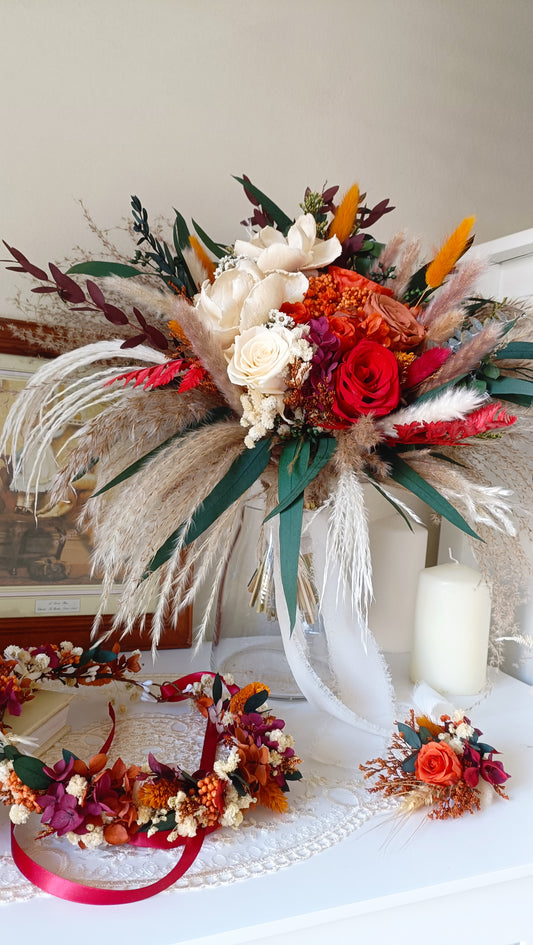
(328, 804)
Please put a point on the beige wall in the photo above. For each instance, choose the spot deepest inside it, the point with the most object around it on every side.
(425, 101)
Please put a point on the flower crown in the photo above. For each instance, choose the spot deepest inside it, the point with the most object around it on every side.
(247, 758)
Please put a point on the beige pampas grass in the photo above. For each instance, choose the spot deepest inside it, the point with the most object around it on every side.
(466, 358)
(460, 284)
(443, 326)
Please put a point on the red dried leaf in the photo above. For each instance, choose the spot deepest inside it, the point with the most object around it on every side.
(192, 378)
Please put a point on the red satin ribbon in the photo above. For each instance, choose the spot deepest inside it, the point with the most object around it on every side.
(95, 896)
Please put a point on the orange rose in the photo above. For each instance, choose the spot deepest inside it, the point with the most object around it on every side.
(348, 279)
(346, 330)
(437, 763)
(406, 332)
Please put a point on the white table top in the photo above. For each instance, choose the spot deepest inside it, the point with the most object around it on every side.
(469, 880)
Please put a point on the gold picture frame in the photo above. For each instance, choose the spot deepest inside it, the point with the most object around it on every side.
(46, 590)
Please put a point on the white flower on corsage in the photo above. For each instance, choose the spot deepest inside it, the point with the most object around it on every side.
(299, 250)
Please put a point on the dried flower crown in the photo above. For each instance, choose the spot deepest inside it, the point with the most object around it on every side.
(247, 758)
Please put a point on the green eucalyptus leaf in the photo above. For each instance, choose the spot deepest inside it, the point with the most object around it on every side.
(411, 737)
(180, 232)
(425, 734)
(215, 248)
(242, 474)
(389, 498)
(409, 764)
(406, 476)
(101, 269)
(510, 385)
(217, 689)
(516, 350)
(254, 701)
(282, 221)
(484, 748)
(325, 450)
(214, 416)
(10, 752)
(292, 466)
(31, 772)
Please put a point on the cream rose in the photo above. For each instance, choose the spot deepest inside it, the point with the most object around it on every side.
(260, 357)
(297, 251)
(219, 304)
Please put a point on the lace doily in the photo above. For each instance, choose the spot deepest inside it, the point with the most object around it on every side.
(324, 808)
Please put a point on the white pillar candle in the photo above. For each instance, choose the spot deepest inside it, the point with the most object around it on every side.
(398, 555)
(451, 629)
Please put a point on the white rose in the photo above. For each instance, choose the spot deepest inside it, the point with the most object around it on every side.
(219, 303)
(260, 357)
(299, 250)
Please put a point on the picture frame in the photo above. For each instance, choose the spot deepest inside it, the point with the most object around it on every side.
(46, 590)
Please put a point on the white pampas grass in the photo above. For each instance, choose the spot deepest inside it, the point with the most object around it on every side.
(348, 543)
(46, 404)
(453, 404)
(479, 503)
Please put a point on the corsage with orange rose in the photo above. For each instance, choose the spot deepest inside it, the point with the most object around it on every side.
(441, 766)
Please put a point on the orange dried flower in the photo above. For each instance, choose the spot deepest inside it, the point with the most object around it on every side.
(156, 794)
(271, 796)
(239, 700)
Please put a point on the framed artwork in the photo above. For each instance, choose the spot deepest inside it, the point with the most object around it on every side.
(47, 593)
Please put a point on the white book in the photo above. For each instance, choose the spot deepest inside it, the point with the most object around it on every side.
(42, 718)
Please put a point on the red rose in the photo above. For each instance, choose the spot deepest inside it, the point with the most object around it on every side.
(366, 381)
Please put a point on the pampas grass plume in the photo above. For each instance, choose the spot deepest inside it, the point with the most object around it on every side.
(448, 254)
(343, 222)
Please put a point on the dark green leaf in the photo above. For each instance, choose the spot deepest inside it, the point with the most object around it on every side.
(391, 500)
(490, 370)
(484, 749)
(293, 776)
(447, 459)
(30, 771)
(103, 656)
(406, 476)
(101, 269)
(217, 689)
(516, 350)
(10, 752)
(240, 785)
(292, 466)
(241, 475)
(411, 737)
(409, 764)
(215, 248)
(180, 232)
(219, 413)
(510, 385)
(325, 450)
(254, 701)
(67, 755)
(425, 734)
(429, 394)
(282, 221)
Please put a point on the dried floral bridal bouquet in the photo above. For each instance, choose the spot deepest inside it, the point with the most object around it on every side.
(306, 359)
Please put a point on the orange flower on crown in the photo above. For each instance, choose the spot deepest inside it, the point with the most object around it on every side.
(239, 700)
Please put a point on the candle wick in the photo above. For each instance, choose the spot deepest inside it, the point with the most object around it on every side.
(455, 561)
